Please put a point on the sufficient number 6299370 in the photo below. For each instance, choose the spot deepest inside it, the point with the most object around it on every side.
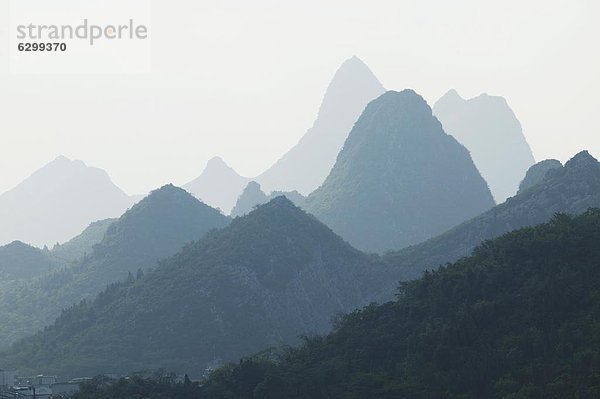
(42, 47)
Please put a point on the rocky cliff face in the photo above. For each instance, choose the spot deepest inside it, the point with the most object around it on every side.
(399, 179)
(537, 173)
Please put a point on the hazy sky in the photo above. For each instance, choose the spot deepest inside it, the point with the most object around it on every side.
(244, 79)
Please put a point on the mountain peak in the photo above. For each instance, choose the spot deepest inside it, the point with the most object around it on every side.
(216, 162)
(170, 193)
(58, 201)
(61, 158)
(280, 208)
(281, 201)
(490, 130)
(451, 96)
(406, 96)
(537, 173)
(402, 175)
(355, 63)
(63, 162)
(219, 185)
(306, 165)
(352, 77)
(582, 160)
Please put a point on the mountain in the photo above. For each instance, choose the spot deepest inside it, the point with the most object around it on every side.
(155, 228)
(18, 260)
(307, 164)
(537, 173)
(218, 186)
(518, 319)
(489, 129)
(248, 199)
(399, 178)
(82, 245)
(572, 189)
(253, 196)
(268, 277)
(57, 202)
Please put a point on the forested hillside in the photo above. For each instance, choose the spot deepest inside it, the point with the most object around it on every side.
(155, 228)
(262, 281)
(518, 319)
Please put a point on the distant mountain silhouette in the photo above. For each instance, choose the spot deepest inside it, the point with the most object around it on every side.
(537, 173)
(57, 202)
(153, 229)
(399, 178)
(572, 189)
(18, 260)
(262, 281)
(304, 167)
(83, 244)
(218, 186)
(253, 196)
(492, 133)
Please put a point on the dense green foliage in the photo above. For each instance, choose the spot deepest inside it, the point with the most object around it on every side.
(155, 228)
(399, 179)
(518, 319)
(572, 189)
(263, 280)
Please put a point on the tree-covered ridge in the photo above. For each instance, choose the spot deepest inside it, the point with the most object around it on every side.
(155, 228)
(19, 260)
(83, 244)
(518, 319)
(572, 189)
(263, 280)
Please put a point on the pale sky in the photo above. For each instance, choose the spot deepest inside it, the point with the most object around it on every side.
(244, 79)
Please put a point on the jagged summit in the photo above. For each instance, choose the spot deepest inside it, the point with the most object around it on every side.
(489, 129)
(400, 177)
(219, 185)
(305, 166)
(253, 196)
(250, 197)
(582, 160)
(537, 173)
